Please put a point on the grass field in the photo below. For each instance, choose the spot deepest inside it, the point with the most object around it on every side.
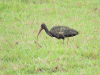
(22, 53)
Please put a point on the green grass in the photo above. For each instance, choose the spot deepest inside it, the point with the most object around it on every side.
(20, 52)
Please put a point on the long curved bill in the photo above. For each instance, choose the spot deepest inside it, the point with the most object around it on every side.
(39, 32)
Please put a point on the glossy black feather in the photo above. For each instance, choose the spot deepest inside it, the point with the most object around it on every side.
(60, 32)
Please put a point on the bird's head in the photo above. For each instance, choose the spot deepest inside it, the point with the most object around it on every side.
(43, 26)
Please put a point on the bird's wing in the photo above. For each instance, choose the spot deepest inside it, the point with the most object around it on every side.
(58, 31)
(63, 31)
(70, 32)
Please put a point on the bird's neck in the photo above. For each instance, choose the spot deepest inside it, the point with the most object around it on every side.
(47, 31)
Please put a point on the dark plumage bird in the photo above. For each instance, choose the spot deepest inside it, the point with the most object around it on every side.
(60, 32)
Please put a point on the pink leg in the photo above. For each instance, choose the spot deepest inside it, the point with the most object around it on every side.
(63, 41)
(67, 41)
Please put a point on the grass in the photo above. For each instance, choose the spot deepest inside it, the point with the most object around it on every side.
(20, 52)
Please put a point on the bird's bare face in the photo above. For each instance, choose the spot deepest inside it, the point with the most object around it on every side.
(43, 26)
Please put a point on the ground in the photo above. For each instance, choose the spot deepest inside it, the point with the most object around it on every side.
(22, 53)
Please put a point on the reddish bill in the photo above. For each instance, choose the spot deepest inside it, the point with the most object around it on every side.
(39, 32)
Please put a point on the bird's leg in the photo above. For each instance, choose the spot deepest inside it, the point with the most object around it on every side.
(67, 41)
(63, 41)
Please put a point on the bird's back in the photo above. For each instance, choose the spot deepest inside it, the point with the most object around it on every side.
(61, 32)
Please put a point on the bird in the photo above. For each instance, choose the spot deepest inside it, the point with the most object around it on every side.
(59, 32)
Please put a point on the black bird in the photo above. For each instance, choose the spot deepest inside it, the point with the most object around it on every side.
(60, 32)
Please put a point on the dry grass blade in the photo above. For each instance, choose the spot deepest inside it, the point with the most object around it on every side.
(33, 31)
(96, 8)
(38, 44)
(19, 20)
